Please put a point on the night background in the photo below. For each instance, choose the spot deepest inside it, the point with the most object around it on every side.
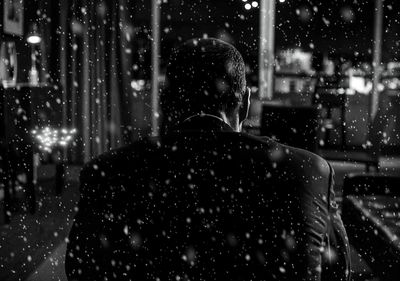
(79, 78)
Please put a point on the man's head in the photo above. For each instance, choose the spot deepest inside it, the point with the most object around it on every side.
(206, 76)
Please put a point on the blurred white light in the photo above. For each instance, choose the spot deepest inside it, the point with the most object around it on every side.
(47, 138)
(247, 6)
(138, 85)
(34, 39)
(360, 85)
(254, 4)
(244, 0)
(282, 1)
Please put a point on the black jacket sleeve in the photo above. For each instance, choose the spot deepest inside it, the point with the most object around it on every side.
(336, 256)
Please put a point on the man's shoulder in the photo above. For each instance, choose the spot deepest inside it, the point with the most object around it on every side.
(292, 153)
(309, 160)
(288, 157)
(118, 161)
(298, 160)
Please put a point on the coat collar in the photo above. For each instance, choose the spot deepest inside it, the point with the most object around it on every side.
(204, 122)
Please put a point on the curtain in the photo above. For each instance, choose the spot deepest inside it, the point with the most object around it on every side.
(104, 103)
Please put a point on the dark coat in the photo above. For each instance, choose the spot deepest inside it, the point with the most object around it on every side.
(207, 203)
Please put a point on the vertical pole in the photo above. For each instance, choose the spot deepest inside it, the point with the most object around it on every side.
(87, 124)
(155, 63)
(266, 52)
(64, 12)
(376, 64)
(64, 8)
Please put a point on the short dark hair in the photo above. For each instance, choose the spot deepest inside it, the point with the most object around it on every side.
(203, 76)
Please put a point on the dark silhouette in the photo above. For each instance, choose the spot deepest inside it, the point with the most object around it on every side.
(204, 201)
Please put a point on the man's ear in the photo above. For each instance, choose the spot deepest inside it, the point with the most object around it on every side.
(244, 108)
